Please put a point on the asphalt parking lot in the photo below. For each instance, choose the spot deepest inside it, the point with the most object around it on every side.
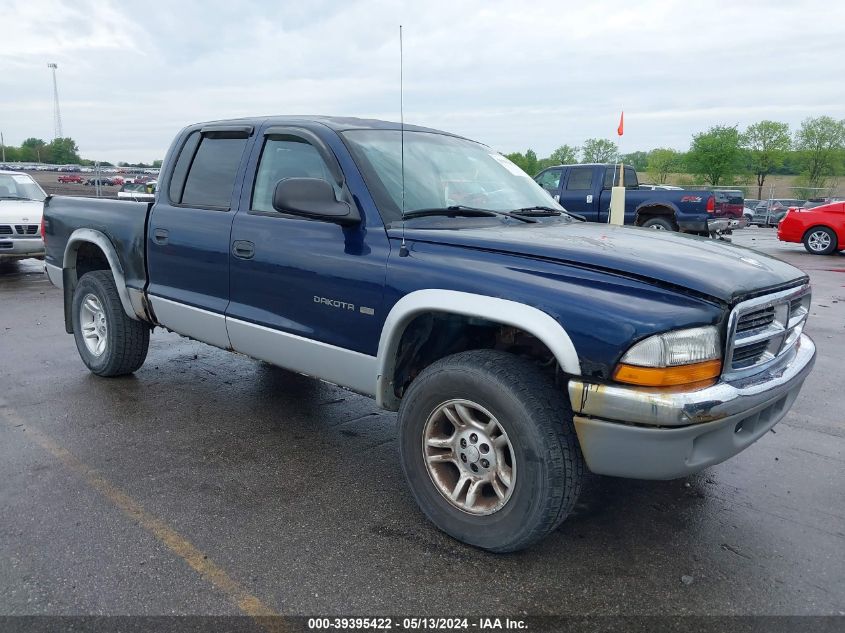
(208, 483)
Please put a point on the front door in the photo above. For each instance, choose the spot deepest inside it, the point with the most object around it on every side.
(577, 194)
(550, 181)
(305, 294)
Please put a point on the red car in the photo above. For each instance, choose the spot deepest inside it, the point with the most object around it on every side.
(821, 230)
(70, 178)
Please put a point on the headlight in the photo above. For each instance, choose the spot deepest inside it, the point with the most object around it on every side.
(681, 357)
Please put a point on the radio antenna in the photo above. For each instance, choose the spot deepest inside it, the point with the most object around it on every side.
(403, 250)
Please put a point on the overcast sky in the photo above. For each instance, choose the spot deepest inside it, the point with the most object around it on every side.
(510, 74)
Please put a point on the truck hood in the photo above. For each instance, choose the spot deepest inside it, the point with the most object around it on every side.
(707, 267)
(21, 211)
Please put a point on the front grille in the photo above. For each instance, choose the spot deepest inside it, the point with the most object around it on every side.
(5, 229)
(762, 330)
(749, 354)
(26, 229)
(755, 319)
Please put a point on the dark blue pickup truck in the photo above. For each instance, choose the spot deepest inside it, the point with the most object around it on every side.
(585, 190)
(519, 344)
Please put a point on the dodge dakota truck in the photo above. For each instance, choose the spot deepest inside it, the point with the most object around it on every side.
(585, 190)
(519, 344)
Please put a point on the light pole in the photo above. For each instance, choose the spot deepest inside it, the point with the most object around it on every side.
(57, 115)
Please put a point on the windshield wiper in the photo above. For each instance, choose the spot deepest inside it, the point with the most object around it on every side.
(459, 210)
(541, 211)
(14, 198)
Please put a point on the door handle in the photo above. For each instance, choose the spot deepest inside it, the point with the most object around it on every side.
(160, 236)
(242, 249)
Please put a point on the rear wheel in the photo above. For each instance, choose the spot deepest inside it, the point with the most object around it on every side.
(487, 445)
(820, 240)
(659, 224)
(109, 342)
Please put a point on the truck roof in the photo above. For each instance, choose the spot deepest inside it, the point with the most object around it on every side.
(336, 123)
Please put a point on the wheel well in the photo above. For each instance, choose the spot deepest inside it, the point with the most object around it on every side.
(646, 213)
(433, 335)
(89, 257)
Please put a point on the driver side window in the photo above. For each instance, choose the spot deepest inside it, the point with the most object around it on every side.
(282, 158)
(550, 179)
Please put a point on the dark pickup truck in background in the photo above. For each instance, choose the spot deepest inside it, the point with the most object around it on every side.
(585, 190)
(518, 344)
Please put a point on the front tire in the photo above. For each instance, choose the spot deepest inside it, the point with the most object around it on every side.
(489, 450)
(820, 240)
(109, 342)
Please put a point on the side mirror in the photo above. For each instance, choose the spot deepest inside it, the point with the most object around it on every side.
(312, 198)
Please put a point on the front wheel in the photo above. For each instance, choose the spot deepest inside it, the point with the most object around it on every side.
(109, 342)
(820, 241)
(488, 448)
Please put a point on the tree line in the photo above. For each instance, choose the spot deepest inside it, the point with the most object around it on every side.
(724, 155)
(59, 151)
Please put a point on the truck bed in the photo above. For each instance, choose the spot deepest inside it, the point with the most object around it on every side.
(123, 223)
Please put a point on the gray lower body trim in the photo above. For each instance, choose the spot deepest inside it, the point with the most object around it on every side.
(199, 324)
(303, 355)
(54, 274)
(334, 364)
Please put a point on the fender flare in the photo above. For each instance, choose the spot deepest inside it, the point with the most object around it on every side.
(82, 236)
(525, 317)
(653, 204)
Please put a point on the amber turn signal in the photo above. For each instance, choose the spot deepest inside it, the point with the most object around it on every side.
(669, 376)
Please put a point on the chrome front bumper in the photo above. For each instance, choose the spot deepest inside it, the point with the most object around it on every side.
(653, 434)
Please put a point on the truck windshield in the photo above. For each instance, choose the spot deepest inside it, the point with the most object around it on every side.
(20, 187)
(440, 171)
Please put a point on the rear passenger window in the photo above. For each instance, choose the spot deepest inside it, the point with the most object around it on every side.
(212, 174)
(286, 157)
(580, 178)
(180, 170)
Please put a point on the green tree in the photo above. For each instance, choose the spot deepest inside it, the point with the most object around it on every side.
(527, 162)
(599, 150)
(820, 141)
(637, 160)
(767, 143)
(34, 149)
(715, 155)
(63, 151)
(662, 162)
(564, 155)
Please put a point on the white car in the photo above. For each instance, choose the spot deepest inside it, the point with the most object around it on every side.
(21, 208)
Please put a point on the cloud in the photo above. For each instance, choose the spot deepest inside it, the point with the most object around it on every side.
(513, 75)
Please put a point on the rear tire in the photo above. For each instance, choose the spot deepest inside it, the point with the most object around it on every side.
(660, 224)
(820, 240)
(109, 342)
(501, 424)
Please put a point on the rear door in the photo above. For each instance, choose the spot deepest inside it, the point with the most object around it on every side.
(189, 230)
(578, 195)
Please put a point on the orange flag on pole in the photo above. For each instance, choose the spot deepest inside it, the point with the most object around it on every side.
(621, 127)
